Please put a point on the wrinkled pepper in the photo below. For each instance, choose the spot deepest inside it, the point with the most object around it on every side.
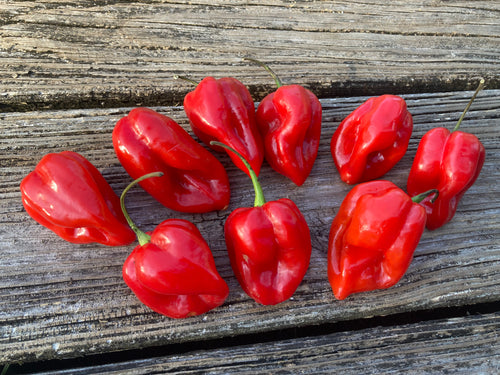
(289, 120)
(193, 179)
(269, 246)
(372, 139)
(447, 161)
(68, 195)
(172, 270)
(223, 110)
(373, 237)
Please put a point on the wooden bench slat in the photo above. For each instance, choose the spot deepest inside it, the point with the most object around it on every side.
(59, 300)
(60, 54)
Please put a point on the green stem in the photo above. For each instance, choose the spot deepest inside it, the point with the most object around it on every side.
(479, 88)
(141, 236)
(275, 77)
(186, 79)
(420, 197)
(259, 194)
(5, 369)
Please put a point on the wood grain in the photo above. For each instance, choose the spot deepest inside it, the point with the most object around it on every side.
(59, 300)
(62, 54)
(464, 345)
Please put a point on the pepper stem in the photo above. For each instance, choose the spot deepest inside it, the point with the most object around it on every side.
(259, 194)
(479, 88)
(186, 79)
(420, 197)
(142, 237)
(274, 75)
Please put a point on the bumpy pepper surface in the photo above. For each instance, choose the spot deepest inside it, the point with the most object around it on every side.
(372, 139)
(193, 179)
(449, 162)
(172, 270)
(67, 194)
(373, 238)
(269, 247)
(223, 110)
(289, 120)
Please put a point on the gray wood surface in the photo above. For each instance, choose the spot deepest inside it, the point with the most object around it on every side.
(59, 300)
(87, 54)
(464, 345)
(69, 70)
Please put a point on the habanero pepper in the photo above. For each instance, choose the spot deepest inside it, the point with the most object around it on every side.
(269, 246)
(193, 181)
(373, 237)
(223, 110)
(372, 139)
(289, 120)
(68, 195)
(172, 270)
(449, 162)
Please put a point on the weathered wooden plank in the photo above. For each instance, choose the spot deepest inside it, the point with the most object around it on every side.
(62, 54)
(59, 300)
(464, 345)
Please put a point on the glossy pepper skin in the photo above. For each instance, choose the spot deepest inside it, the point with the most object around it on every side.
(68, 195)
(447, 161)
(372, 139)
(193, 181)
(269, 247)
(289, 120)
(223, 110)
(373, 238)
(172, 270)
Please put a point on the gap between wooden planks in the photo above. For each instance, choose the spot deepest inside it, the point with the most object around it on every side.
(463, 345)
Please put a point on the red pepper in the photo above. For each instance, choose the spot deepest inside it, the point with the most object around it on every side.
(447, 161)
(68, 195)
(194, 180)
(269, 246)
(289, 121)
(172, 270)
(223, 110)
(373, 237)
(372, 139)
